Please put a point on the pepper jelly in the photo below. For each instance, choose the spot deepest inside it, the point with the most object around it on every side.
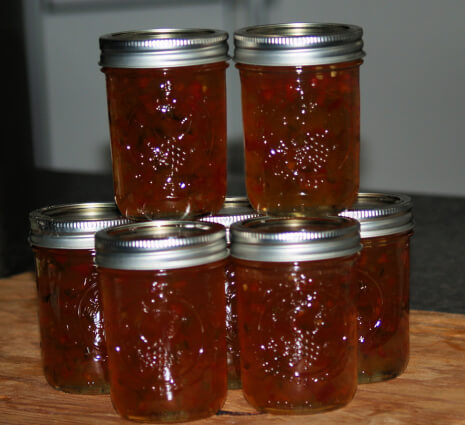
(164, 304)
(297, 322)
(166, 92)
(72, 338)
(301, 115)
(234, 209)
(383, 284)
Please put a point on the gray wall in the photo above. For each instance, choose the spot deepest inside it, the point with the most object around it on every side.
(412, 89)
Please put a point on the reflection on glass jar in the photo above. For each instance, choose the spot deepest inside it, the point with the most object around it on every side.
(167, 112)
(297, 323)
(381, 293)
(164, 304)
(301, 116)
(234, 209)
(70, 314)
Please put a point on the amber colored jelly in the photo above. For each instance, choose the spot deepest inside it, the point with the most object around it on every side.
(168, 139)
(70, 320)
(234, 209)
(382, 299)
(381, 292)
(302, 137)
(232, 332)
(298, 334)
(166, 341)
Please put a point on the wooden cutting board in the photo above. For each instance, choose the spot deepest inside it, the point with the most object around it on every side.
(431, 391)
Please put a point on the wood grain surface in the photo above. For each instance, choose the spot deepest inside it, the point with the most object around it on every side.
(431, 391)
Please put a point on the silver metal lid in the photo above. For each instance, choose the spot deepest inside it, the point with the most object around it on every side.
(72, 226)
(163, 47)
(294, 239)
(295, 44)
(234, 209)
(160, 244)
(381, 214)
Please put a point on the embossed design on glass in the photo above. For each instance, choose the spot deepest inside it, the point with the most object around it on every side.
(298, 334)
(304, 321)
(301, 135)
(166, 341)
(71, 323)
(90, 313)
(155, 351)
(168, 139)
(383, 307)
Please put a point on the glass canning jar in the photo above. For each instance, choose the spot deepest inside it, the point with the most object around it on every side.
(301, 115)
(234, 209)
(297, 322)
(383, 284)
(72, 338)
(164, 305)
(166, 95)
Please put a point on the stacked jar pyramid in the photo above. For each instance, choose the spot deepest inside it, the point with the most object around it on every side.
(296, 293)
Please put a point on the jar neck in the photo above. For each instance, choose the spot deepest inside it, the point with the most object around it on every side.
(210, 67)
(300, 69)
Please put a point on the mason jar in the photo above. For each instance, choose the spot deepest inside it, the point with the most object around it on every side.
(234, 209)
(166, 95)
(164, 305)
(382, 287)
(72, 338)
(297, 321)
(301, 115)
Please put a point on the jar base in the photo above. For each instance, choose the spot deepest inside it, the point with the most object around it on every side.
(378, 377)
(302, 411)
(105, 389)
(299, 410)
(169, 417)
(317, 211)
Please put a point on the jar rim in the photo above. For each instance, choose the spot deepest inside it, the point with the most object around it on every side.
(72, 226)
(298, 43)
(234, 209)
(381, 214)
(285, 239)
(163, 47)
(160, 244)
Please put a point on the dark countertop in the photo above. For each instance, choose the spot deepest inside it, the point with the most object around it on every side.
(437, 279)
(438, 254)
(437, 250)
